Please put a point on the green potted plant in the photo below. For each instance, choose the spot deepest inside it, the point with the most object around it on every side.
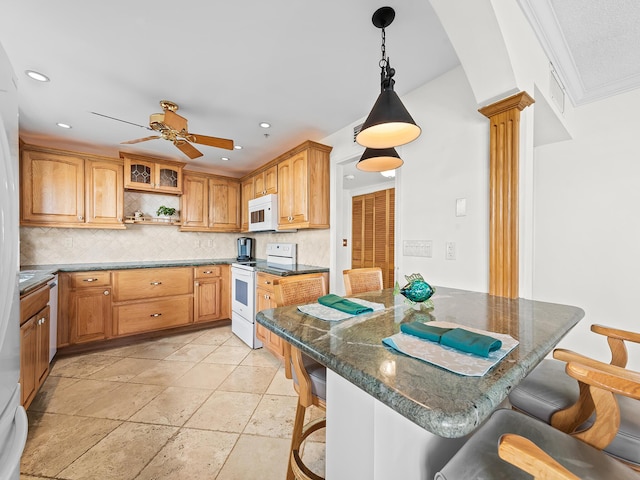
(165, 211)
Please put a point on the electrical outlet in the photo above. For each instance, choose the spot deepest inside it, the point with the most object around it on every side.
(450, 250)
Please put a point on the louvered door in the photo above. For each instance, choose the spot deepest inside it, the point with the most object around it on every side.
(373, 224)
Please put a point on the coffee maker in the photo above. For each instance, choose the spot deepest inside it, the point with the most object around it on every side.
(245, 249)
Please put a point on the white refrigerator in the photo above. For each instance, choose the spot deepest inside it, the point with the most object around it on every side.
(13, 419)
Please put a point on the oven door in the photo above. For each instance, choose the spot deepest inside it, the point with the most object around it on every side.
(243, 292)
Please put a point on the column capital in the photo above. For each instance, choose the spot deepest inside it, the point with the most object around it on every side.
(520, 101)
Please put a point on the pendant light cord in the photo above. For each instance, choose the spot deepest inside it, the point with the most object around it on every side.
(386, 72)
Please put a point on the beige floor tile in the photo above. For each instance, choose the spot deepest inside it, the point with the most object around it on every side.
(227, 355)
(29, 477)
(225, 411)
(205, 375)
(163, 373)
(54, 441)
(122, 402)
(154, 350)
(83, 366)
(124, 369)
(261, 358)
(191, 353)
(214, 336)
(191, 454)
(52, 387)
(174, 406)
(124, 351)
(234, 341)
(249, 379)
(122, 454)
(268, 459)
(273, 417)
(78, 395)
(313, 456)
(180, 338)
(281, 385)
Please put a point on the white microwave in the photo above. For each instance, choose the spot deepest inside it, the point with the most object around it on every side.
(263, 213)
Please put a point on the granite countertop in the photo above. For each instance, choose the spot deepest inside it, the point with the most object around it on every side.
(442, 402)
(44, 273)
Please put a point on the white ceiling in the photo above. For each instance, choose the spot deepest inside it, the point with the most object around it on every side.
(308, 68)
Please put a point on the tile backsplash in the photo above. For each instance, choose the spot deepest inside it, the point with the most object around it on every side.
(46, 246)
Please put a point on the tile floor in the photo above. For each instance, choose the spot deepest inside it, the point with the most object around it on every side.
(199, 405)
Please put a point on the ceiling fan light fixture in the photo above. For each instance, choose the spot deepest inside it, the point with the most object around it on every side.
(379, 160)
(389, 124)
(40, 77)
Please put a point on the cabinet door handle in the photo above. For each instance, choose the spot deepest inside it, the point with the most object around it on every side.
(197, 284)
(155, 315)
(267, 297)
(106, 292)
(155, 283)
(267, 282)
(90, 280)
(207, 271)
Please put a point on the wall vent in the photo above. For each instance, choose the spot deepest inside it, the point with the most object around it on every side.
(356, 131)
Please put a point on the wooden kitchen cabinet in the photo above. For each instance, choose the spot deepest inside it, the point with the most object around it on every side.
(210, 203)
(86, 306)
(34, 342)
(264, 300)
(265, 182)
(148, 174)
(149, 299)
(246, 194)
(211, 293)
(67, 189)
(303, 187)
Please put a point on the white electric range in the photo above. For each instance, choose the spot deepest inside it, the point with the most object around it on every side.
(280, 256)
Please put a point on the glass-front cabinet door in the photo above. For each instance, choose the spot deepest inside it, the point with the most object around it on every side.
(152, 175)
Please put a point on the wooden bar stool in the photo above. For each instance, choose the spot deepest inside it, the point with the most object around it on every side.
(511, 443)
(309, 377)
(359, 280)
(548, 394)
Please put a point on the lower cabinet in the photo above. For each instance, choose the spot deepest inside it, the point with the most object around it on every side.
(152, 315)
(265, 300)
(34, 342)
(211, 293)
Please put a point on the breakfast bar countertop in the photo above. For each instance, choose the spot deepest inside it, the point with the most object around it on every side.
(444, 403)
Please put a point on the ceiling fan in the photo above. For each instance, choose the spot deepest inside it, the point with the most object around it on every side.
(173, 127)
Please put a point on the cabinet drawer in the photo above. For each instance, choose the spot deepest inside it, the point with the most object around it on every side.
(207, 271)
(33, 303)
(152, 282)
(156, 315)
(90, 279)
(265, 281)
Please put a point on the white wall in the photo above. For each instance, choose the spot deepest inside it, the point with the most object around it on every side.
(587, 229)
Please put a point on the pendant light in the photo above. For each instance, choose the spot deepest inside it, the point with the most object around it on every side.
(389, 124)
(379, 160)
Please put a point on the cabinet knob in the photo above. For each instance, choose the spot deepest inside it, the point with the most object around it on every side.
(197, 284)
(267, 282)
(207, 271)
(155, 315)
(80, 217)
(267, 297)
(155, 283)
(106, 292)
(90, 280)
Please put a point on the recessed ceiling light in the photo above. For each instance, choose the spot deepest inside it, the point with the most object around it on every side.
(349, 177)
(238, 147)
(63, 125)
(37, 76)
(388, 173)
(224, 159)
(265, 124)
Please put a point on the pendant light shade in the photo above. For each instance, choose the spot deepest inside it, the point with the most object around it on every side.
(389, 124)
(379, 160)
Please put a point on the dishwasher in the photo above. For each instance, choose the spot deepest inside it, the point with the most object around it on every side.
(53, 317)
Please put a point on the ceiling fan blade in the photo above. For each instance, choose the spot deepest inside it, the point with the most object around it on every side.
(211, 141)
(119, 120)
(188, 149)
(175, 121)
(138, 140)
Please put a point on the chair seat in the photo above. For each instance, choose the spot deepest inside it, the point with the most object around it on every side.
(318, 375)
(548, 389)
(478, 458)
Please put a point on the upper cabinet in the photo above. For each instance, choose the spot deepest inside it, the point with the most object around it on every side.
(303, 187)
(265, 182)
(210, 203)
(152, 175)
(246, 193)
(66, 189)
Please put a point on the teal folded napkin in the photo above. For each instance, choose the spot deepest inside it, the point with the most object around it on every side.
(458, 338)
(344, 305)
(470, 342)
(424, 331)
